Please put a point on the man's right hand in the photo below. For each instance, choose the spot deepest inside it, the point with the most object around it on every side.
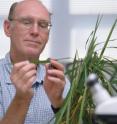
(22, 76)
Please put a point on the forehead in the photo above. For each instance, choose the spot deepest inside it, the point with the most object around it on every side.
(31, 8)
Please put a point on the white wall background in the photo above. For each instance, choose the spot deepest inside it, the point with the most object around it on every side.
(73, 20)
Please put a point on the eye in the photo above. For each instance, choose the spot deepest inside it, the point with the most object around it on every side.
(26, 21)
(43, 24)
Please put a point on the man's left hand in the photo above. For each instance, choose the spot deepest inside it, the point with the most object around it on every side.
(54, 83)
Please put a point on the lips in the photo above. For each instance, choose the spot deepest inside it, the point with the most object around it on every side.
(33, 42)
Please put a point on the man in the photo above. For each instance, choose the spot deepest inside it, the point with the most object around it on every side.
(29, 93)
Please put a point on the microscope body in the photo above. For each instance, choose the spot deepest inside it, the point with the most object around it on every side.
(106, 105)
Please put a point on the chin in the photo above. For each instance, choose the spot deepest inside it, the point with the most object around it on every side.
(33, 53)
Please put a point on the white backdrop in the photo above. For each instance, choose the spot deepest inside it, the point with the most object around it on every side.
(71, 26)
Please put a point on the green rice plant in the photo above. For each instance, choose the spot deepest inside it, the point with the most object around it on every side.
(78, 107)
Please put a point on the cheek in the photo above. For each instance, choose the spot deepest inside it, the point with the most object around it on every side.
(17, 39)
(45, 41)
(45, 37)
(18, 35)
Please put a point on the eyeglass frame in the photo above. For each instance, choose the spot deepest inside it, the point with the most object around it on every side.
(30, 22)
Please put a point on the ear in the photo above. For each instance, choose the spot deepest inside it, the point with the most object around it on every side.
(7, 28)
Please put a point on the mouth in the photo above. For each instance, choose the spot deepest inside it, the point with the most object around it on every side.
(32, 43)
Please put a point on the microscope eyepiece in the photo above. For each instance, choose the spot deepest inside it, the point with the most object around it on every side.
(92, 80)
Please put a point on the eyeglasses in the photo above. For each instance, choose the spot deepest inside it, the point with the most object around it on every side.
(28, 23)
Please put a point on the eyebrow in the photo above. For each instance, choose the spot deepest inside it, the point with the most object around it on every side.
(28, 17)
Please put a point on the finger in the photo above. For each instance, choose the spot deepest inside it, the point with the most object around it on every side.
(30, 82)
(19, 65)
(27, 68)
(47, 66)
(22, 77)
(56, 81)
(28, 75)
(56, 73)
(57, 65)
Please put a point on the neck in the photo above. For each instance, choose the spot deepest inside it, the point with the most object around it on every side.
(15, 58)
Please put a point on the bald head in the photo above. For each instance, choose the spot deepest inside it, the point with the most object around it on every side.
(17, 4)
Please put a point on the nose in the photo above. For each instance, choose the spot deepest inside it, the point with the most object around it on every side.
(34, 30)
